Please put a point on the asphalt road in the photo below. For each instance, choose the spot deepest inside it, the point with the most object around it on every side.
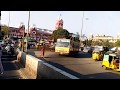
(80, 65)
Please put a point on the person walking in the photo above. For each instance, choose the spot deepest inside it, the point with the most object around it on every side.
(1, 66)
(43, 50)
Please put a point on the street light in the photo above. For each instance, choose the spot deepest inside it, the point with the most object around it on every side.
(82, 24)
(27, 31)
(8, 25)
(23, 29)
(80, 37)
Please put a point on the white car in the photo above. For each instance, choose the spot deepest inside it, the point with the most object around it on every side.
(0, 42)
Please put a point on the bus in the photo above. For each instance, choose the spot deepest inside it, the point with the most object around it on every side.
(67, 46)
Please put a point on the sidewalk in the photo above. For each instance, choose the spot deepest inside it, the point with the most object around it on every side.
(23, 71)
(11, 71)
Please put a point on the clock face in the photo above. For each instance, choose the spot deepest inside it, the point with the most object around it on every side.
(34, 32)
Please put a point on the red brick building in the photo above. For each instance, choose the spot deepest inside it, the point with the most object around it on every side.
(38, 33)
(35, 33)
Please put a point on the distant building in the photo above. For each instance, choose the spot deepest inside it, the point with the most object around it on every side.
(104, 38)
(38, 33)
(35, 33)
(118, 36)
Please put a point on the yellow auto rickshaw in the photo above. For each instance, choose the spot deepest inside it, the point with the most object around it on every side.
(37, 46)
(97, 55)
(111, 61)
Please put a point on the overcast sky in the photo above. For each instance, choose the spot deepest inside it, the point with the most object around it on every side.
(95, 22)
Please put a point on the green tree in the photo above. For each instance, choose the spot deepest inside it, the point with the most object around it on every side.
(60, 33)
(5, 29)
(96, 43)
(89, 42)
(117, 43)
(107, 43)
(0, 35)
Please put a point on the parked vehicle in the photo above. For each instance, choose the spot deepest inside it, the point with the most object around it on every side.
(90, 49)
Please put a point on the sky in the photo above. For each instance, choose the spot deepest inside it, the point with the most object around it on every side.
(94, 22)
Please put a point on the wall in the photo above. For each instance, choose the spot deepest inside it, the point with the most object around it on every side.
(39, 69)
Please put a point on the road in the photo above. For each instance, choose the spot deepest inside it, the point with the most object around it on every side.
(11, 70)
(80, 65)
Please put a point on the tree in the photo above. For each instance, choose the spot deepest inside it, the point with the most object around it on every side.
(5, 29)
(96, 43)
(107, 43)
(89, 42)
(60, 33)
(117, 43)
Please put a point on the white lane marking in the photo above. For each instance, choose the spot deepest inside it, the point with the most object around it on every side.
(61, 71)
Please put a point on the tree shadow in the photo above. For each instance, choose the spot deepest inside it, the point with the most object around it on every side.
(80, 55)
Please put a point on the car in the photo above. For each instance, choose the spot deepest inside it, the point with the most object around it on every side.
(90, 49)
(1, 42)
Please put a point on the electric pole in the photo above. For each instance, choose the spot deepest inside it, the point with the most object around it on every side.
(27, 31)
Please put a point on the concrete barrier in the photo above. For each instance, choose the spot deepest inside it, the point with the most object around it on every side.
(31, 65)
(41, 69)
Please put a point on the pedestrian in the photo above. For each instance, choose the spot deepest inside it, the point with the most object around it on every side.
(1, 66)
(43, 50)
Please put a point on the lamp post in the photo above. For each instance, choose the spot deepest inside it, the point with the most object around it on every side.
(23, 29)
(82, 25)
(27, 31)
(80, 36)
(8, 25)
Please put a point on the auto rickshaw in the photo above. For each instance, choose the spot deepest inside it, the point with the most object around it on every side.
(97, 55)
(37, 46)
(111, 61)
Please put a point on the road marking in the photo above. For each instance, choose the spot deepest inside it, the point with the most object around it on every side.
(61, 71)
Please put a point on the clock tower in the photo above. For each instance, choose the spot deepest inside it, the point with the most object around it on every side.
(59, 23)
